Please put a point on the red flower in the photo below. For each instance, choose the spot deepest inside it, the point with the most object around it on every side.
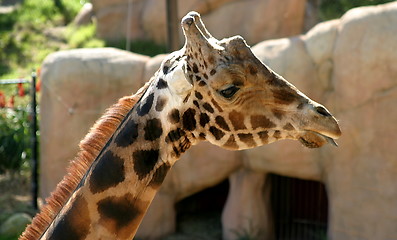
(2, 100)
(11, 102)
(38, 85)
(21, 91)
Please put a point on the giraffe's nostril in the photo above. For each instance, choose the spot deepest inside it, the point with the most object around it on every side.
(321, 110)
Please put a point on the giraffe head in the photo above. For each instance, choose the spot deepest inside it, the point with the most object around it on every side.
(235, 101)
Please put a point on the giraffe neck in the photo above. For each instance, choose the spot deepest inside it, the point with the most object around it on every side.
(114, 194)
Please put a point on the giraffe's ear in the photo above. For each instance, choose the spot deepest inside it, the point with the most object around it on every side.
(177, 81)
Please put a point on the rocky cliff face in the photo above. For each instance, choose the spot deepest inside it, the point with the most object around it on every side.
(256, 20)
(348, 64)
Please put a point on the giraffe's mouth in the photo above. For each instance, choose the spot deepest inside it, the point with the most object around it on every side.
(313, 139)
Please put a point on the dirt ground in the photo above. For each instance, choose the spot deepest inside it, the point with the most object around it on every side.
(14, 195)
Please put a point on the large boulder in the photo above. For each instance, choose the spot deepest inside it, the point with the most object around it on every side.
(78, 85)
(256, 20)
(13, 226)
(361, 178)
(353, 60)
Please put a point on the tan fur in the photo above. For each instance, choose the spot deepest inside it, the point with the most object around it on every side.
(90, 147)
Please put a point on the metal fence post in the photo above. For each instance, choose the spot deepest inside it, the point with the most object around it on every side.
(34, 142)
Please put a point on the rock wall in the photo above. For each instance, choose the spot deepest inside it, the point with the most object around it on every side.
(348, 64)
(351, 69)
(78, 85)
(256, 20)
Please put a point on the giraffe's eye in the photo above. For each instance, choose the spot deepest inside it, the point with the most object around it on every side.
(229, 92)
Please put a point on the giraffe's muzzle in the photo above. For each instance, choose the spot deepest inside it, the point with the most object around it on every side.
(321, 128)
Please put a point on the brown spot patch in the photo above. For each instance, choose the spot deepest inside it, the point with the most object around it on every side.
(263, 135)
(107, 172)
(278, 113)
(231, 143)
(128, 134)
(174, 135)
(159, 175)
(202, 83)
(188, 119)
(204, 119)
(173, 116)
(160, 104)
(261, 121)
(208, 107)
(195, 68)
(143, 109)
(176, 153)
(237, 120)
(165, 69)
(277, 134)
(247, 138)
(119, 214)
(205, 64)
(211, 59)
(186, 98)
(212, 72)
(144, 162)
(288, 127)
(74, 224)
(198, 95)
(202, 136)
(216, 105)
(283, 96)
(153, 129)
(218, 134)
(222, 123)
(161, 84)
(196, 104)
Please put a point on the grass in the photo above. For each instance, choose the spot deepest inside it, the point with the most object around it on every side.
(145, 47)
(84, 36)
(25, 35)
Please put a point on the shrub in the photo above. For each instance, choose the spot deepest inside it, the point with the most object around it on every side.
(145, 47)
(14, 138)
(83, 36)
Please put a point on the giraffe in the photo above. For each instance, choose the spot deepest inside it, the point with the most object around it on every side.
(210, 90)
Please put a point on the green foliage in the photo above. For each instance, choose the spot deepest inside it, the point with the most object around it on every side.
(145, 47)
(37, 12)
(83, 36)
(27, 34)
(331, 9)
(14, 138)
(8, 238)
(48, 11)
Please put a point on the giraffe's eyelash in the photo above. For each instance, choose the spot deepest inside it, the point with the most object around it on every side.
(229, 91)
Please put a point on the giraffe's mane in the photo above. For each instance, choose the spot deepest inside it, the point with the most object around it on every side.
(90, 148)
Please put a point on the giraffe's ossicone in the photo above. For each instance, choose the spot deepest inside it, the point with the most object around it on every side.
(215, 90)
